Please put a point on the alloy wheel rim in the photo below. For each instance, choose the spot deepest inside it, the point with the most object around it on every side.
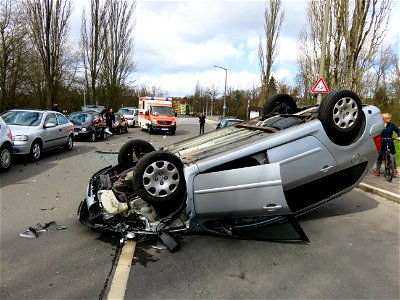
(345, 113)
(161, 178)
(36, 151)
(5, 158)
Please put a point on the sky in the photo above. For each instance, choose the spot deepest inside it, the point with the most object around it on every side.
(178, 43)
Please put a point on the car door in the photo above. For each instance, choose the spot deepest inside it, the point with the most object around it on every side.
(243, 192)
(302, 160)
(51, 131)
(65, 128)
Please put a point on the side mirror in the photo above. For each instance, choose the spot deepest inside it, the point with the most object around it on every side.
(49, 125)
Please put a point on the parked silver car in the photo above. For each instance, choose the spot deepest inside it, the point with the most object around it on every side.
(246, 180)
(6, 147)
(35, 131)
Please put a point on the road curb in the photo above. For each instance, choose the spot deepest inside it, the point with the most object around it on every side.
(380, 192)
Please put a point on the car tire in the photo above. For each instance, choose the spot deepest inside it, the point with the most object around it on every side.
(93, 136)
(159, 180)
(172, 132)
(134, 150)
(5, 158)
(118, 130)
(36, 150)
(149, 130)
(341, 115)
(126, 128)
(280, 103)
(70, 143)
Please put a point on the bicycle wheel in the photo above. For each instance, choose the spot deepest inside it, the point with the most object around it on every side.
(388, 167)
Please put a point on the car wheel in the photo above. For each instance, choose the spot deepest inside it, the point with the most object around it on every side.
(5, 159)
(134, 150)
(159, 180)
(341, 115)
(172, 132)
(93, 136)
(118, 130)
(36, 151)
(126, 128)
(281, 104)
(149, 130)
(70, 143)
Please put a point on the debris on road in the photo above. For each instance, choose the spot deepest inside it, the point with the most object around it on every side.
(33, 233)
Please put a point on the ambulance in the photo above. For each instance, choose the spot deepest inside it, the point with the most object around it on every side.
(156, 114)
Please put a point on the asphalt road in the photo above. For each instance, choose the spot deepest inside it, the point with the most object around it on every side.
(353, 250)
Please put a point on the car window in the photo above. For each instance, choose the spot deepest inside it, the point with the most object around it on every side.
(61, 119)
(51, 118)
(22, 118)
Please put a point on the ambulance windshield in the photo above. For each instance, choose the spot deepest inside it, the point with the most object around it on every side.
(161, 110)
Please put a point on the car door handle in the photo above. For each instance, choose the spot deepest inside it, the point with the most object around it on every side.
(326, 168)
(272, 207)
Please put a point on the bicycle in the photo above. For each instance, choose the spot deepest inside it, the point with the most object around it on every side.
(389, 164)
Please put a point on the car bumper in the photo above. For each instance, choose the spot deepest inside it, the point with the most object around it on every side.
(21, 148)
(163, 128)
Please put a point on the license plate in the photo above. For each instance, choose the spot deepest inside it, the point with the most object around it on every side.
(164, 128)
(75, 133)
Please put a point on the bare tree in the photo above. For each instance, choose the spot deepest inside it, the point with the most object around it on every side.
(355, 33)
(48, 22)
(13, 50)
(92, 39)
(212, 93)
(273, 17)
(118, 61)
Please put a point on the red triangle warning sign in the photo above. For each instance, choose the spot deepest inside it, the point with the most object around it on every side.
(320, 87)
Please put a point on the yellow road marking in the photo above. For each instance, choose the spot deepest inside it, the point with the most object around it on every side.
(121, 275)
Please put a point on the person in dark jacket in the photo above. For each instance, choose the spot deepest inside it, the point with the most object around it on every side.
(387, 133)
(54, 106)
(202, 121)
(110, 119)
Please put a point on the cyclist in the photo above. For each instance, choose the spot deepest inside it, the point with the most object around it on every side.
(387, 133)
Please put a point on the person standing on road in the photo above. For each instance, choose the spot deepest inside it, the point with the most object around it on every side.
(202, 121)
(110, 119)
(387, 133)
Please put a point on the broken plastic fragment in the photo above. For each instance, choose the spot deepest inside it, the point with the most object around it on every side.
(29, 233)
(54, 226)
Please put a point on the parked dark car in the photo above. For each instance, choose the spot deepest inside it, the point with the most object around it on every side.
(249, 180)
(120, 123)
(88, 125)
(227, 122)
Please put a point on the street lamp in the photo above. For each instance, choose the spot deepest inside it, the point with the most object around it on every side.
(226, 76)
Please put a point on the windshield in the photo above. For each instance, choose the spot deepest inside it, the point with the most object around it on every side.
(162, 110)
(80, 118)
(126, 111)
(22, 118)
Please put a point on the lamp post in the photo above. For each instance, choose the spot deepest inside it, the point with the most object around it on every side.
(226, 76)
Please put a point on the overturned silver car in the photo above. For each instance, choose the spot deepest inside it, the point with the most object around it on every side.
(246, 180)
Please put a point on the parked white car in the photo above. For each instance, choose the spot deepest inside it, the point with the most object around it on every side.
(131, 114)
(35, 131)
(6, 147)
